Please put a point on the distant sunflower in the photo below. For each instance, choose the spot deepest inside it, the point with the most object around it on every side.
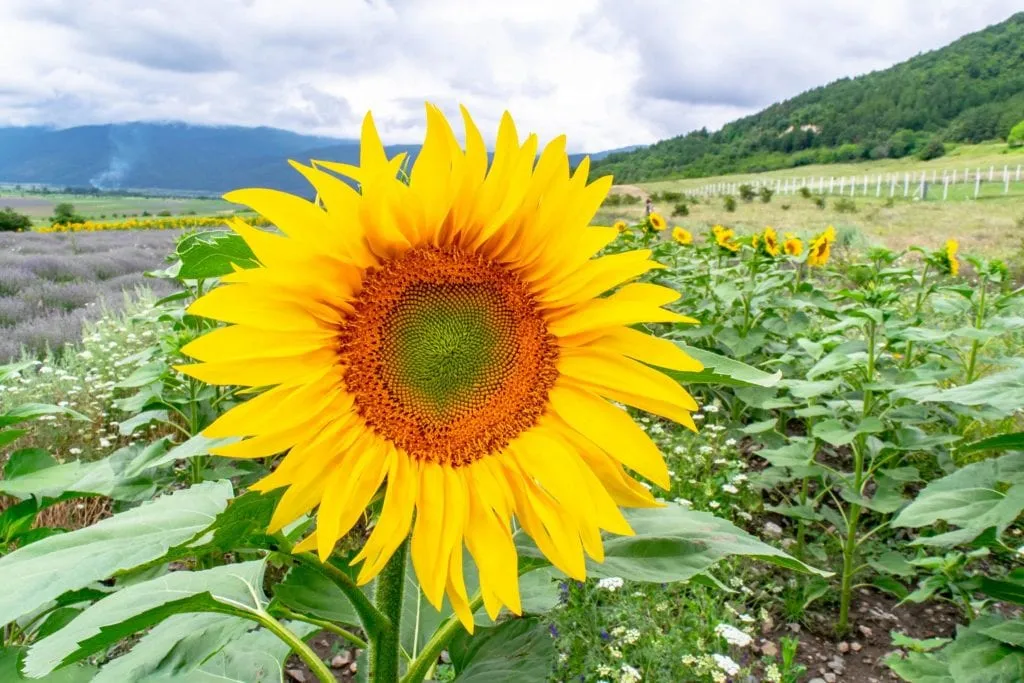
(682, 235)
(793, 245)
(656, 222)
(621, 226)
(725, 238)
(821, 248)
(452, 335)
(770, 242)
(949, 260)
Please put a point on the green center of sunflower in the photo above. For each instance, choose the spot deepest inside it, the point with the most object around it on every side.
(447, 345)
(447, 355)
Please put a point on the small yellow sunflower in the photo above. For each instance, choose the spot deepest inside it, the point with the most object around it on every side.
(682, 235)
(770, 243)
(453, 339)
(820, 250)
(952, 264)
(621, 226)
(656, 222)
(725, 238)
(793, 245)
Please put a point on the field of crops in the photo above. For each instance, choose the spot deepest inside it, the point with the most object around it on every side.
(848, 509)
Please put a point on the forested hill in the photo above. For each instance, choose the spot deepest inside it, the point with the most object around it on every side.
(969, 91)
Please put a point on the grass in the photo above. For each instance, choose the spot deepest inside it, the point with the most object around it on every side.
(40, 206)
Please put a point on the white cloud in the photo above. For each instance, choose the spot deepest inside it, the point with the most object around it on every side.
(607, 72)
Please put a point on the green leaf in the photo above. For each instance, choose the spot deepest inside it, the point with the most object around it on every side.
(977, 658)
(808, 390)
(112, 476)
(147, 374)
(675, 544)
(9, 435)
(893, 563)
(131, 424)
(1009, 588)
(29, 411)
(176, 645)
(27, 461)
(805, 512)
(231, 589)
(908, 643)
(256, 657)
(722, 371)
(1010, 632)
(1003, 442)
(243, 524)
(307, 591)
(40, 572)
(212, 254)
(1002, 391)
(9, 672)
(516, 650)
(834, 432)
(919, 667)
(196, 446)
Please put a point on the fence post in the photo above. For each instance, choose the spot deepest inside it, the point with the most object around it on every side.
(922, 191)
(831, 184)
(945, 187)
(977, 183)
(933, 176)
(878, 186)
(1018, 173)
(954, 177)
(892, 185)
(1006, 180)
(906, 184)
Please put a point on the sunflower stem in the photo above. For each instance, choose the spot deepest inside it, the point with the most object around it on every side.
(305, 653)
(439, 641)
(384, 646)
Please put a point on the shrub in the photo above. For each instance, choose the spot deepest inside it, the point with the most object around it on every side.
(819, 201)
(12, 221)
(1016, 136)
(146, 213)
(933, 150)
(805, 192)
(165, 212)
(64, 214)
(844, 205)
(729, 202)
(681, 209)
(784, 207)
(747, 193)
(766, 194)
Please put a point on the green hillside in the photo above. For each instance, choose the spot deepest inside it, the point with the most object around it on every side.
(969, 91)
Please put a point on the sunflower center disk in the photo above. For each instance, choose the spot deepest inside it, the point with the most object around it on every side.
(447, 356)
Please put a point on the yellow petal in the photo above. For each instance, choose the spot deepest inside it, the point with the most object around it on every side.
(392, 527)
(647, 348)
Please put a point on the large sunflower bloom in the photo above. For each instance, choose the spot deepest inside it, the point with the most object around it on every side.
(770, 242)
(656, 222)
(452, 336)
(682, 235)
(793, 245)
(725, 238)
(949, 257)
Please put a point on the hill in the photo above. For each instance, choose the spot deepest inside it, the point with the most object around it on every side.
(969, 91)
(170, 156)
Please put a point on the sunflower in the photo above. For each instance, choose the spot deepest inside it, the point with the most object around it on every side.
(793, 245)
(452, 338)
(682, 235)
(725, 238)
(656, 222)
(621, 226)
(821, 248)
(770, 242)
(949, 257)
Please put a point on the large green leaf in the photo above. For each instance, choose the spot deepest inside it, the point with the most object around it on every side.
(675, 544)
(40, 572)
(30, 411)
(308, 591)
(971, 498)
(1002, 391)
(516, 650)
(722, 371)
(920, 667)
(1003, 442)
(256, 657)
(975, 657)
(230, 589)
(9, 672)
(211, 254)
(174, 646)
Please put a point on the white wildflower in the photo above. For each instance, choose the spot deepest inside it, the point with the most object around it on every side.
(714, 505)
(75, 451)
(729, 488)
(629, 675)
(730, 442)
(733, 635)
(685, 503)
(611, 584)
(726, 664)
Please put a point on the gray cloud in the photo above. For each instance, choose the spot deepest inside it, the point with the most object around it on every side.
(609, 73)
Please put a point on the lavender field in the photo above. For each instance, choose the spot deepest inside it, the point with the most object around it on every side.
(51, 283)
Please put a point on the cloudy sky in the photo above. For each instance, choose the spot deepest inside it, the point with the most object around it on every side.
(607, 72)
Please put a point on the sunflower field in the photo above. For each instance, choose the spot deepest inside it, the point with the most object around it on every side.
(148, 223)
(471, 437)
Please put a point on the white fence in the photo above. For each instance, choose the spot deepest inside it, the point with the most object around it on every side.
(912, 184)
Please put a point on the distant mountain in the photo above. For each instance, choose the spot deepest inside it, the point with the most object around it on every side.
(969, 91)
(170, 156)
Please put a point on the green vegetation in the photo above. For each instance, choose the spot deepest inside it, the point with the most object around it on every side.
(12, 221)
(969, 91)
(64, 214)
(1016, 137)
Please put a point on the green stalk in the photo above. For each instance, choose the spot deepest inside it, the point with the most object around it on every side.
(979, 320)
(388, 599)
(432, 650)
(850, 544)
(801, 524)
(310, 658)
(917, 311)
(325, 625)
